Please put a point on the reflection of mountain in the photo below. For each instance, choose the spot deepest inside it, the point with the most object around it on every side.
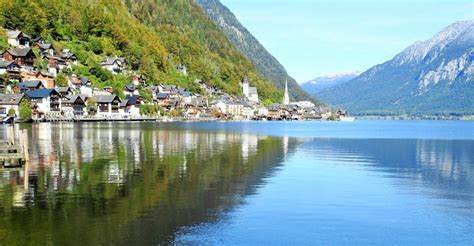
(445, 165)
(123, 183)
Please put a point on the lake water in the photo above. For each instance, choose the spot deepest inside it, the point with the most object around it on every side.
(251, 183)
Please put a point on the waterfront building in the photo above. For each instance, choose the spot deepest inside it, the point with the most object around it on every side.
(73, 105)
(108, 105)
(10, 101)
(44, 101)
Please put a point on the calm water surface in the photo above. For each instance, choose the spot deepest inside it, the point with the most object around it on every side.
(257, 183)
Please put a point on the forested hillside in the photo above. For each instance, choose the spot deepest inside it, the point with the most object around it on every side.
(153, 35)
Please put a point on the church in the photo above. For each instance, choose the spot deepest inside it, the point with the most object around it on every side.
(249, 92)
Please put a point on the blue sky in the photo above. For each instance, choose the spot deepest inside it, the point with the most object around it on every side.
(317, 37)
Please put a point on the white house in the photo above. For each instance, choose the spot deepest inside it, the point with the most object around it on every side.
(228, 107)
(17, 38)
(131, 90)
(248, 111)
(74, 105)
(130, 107)
(8, 66)
(262, 111)
(10, 101)
(114, 64)
(108, 105)
(44, 101)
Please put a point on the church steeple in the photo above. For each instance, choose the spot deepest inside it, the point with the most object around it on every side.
(286, 97)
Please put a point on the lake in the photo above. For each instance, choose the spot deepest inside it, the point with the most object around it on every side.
(242, 183)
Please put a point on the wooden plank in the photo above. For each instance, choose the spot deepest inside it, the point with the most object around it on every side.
(10, 156)
(10, 147)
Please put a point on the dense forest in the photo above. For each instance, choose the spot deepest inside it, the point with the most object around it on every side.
(153, 35)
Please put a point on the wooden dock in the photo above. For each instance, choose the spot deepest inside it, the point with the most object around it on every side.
(14, 152)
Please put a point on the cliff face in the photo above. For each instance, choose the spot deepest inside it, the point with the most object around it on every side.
(267, 65)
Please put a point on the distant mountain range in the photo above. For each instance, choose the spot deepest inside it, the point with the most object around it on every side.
(431, 77)
(267, 65)
(315, 86)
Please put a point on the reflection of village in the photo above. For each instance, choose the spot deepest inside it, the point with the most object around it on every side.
(59, 152)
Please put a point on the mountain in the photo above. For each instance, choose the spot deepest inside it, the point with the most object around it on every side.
(267, 65)
(154, 36)
(431, 77)
(313, 87)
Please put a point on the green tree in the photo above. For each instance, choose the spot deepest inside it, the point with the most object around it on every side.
(11, 112)
(60, 80)
(267, 103)
(25, 111)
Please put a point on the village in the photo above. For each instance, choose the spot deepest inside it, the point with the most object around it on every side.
(28, 88)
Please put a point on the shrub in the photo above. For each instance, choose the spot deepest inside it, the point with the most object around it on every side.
(25, 111)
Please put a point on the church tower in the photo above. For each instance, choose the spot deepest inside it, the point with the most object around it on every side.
(245, 87)
(286, 97)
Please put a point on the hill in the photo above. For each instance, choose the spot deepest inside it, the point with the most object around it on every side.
(155, 36)
(428, 78)
(267, 65)
(315, 86)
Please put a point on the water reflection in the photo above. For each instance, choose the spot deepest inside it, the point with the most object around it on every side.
(123, 183)
(445, 165)
(146, 184)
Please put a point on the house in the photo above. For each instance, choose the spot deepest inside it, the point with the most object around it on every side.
(73, 106)
(64, 92)
(11, 69)
(262, 111)
(168, 89)
(55, 64)
(38, 40)
(69, 57)
(130, 106)
(11, 101)
(46, 78)
(108, 105)
(24, 57)
(17, 38)
(85, 86)
(45, 49)
(44, 101)
(248, 111)
(274, 112)
(131, 90)
(228, 107)
(163, 99)
(192, 110)
(186, 96)
(28, 85)
(138, 79)
(114, 64)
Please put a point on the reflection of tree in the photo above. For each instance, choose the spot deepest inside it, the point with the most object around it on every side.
(102, 183)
